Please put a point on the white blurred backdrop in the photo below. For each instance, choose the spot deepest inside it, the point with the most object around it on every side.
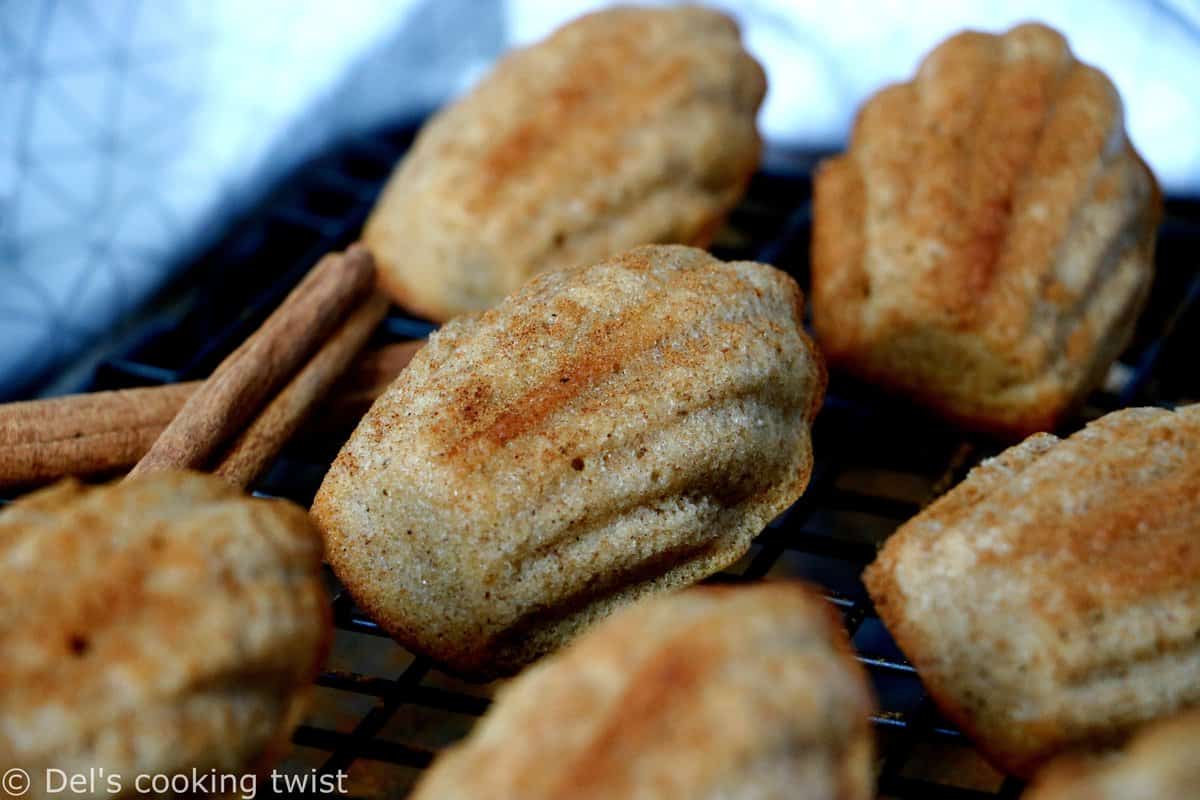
(131, 130)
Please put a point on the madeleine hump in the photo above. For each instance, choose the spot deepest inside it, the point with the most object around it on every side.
(986, 244)
(604, 432)
(628, 126)
(713, 692)
(1052, 599)
(156, 626)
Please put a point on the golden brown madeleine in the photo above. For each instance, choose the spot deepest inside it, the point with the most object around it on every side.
(628, 126)
(603, 432)
(712, 692)
(1052, 599)
(1161, 763)
(155, 626)
(986, 243)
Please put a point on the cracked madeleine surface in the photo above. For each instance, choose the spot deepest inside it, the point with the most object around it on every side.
(154, 626)
(712, 692)
(627, 126)
(986, 243)
(603, 432)
(1052, 599)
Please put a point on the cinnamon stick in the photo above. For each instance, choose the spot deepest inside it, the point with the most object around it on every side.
(257, 446)
(242, 383)
(41, 440)
(107, 432)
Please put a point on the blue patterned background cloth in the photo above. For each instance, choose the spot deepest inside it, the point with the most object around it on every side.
(133, 131)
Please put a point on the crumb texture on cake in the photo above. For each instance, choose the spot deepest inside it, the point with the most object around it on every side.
(605, 431)
(154, 626)
(712, 692)
(1053, 598)
(986, 243)
(627, 126)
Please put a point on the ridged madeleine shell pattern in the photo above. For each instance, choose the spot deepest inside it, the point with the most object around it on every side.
(627, 126)
(709, 693)
(986, 243)
(605, 431)
(155, 626)
(1052, 599)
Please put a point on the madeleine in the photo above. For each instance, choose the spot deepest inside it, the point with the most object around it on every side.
(604, 432)
(1052, 599)
(628, 126)
(987, 242)
(713, 692)
(155, 626)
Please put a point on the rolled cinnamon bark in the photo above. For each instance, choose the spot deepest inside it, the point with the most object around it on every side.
(242, 384)
(86, 434)
(107, 432)
(255, 449)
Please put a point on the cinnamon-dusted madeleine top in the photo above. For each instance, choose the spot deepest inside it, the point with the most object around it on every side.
(627, 126)
(713, 692)
(986, 243)
(604, 431)
(1159, 763)
(1052, 599)
(154, 626)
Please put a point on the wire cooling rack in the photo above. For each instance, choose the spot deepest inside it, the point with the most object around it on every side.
(380, 715)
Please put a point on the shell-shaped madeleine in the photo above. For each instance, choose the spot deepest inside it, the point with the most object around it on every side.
(155, 626)
(712, 692)
(1051, 600)
(625, 127)
(605, 431)
(986, 243)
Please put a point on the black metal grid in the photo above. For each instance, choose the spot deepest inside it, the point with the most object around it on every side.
(877, 461)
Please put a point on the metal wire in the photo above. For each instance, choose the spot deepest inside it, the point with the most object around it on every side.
(878, 461)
